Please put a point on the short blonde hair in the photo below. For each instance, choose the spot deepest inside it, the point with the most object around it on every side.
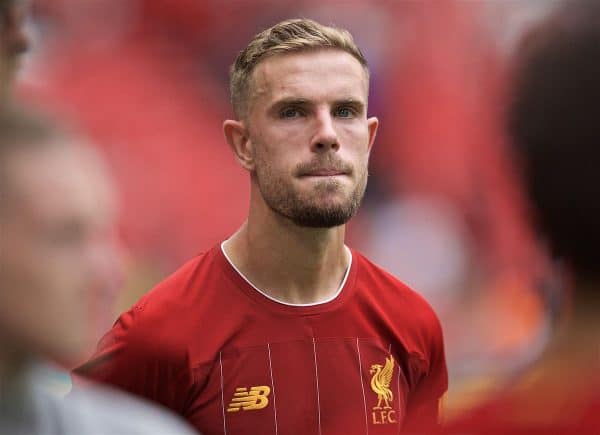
(289, 36)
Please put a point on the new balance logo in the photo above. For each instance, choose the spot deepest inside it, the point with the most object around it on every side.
(256, 398)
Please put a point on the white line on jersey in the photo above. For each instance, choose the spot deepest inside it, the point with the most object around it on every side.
(362, 385)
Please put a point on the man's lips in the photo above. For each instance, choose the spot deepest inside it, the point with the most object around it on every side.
(324, 173)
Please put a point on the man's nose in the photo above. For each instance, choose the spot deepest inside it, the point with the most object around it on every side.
(325, 136)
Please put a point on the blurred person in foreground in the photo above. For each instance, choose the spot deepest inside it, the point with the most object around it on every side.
(554, 122)
(282, 328)
(56, 248)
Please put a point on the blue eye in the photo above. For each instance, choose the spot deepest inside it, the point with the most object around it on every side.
(290, 112)
(344, 112)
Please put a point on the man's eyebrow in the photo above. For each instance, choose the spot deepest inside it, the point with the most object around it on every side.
(354, 102)
(292, 101)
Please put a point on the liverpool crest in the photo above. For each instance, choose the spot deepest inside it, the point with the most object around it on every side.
(380, 384)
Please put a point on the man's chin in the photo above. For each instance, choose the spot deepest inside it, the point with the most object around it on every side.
(322, 218)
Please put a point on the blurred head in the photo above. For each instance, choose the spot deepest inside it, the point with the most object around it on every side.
(300, 90)
(555, 124)
(13, 41)
(56, 218)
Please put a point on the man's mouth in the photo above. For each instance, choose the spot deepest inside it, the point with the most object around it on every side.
(325, 172)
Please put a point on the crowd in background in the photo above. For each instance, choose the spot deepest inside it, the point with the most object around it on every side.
(444, 211)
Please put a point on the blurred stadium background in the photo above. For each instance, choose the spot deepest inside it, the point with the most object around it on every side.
(147, 81)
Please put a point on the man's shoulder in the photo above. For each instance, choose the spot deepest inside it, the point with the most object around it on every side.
(396, 296)
(153, 325)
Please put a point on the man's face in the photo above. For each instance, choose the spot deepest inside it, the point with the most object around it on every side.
(56, 249)
(310, 136)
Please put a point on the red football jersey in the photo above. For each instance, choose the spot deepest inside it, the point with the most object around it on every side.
(232, 360)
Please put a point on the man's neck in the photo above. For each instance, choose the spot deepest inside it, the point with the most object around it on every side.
(292, 264)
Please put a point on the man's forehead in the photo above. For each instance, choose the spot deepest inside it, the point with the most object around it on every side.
(325, 71)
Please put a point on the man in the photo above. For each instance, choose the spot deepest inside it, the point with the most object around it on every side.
(282, 328)
(553, 118)
(13, 41)
(55, 251)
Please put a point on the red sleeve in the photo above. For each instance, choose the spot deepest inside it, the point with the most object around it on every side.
(137, 357)
(423, 407)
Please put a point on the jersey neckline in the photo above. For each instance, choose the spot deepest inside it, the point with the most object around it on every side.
(345, 289)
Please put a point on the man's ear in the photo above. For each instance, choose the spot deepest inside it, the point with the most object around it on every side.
(372, 124)
(238, 139)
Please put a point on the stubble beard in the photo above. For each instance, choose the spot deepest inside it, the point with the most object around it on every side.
(281, 197)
